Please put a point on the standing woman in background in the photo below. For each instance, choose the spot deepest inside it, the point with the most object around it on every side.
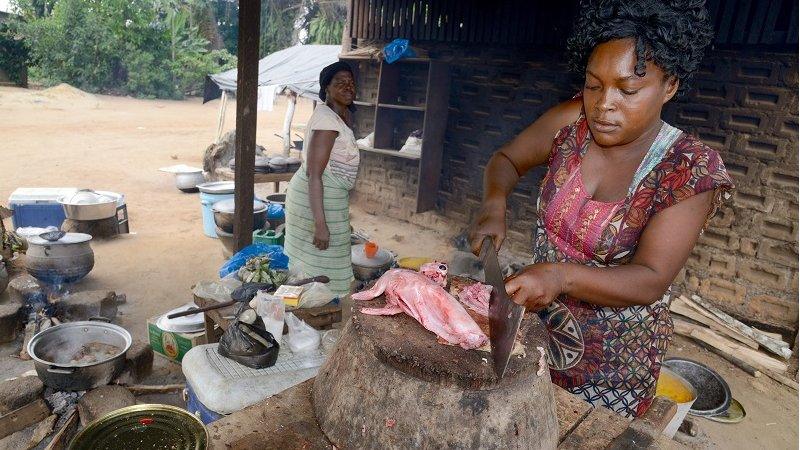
(317, 202)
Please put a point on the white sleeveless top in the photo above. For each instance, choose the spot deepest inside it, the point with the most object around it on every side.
(344, 159)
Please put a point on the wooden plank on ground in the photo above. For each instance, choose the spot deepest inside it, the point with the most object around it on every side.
(570, 411)
(780, 348)
(678, 306)
(782, 379)
(748, 355)
(23, 417)
(597, 430)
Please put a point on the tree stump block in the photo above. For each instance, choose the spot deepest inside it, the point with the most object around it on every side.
(390, 384)
(98, 229)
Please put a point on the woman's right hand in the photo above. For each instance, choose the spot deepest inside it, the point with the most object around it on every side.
(321, 236)
(491, 221)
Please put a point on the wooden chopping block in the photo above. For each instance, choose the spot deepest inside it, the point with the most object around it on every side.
(389, 384)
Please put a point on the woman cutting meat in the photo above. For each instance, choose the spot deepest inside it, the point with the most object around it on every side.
(317, 209)
(623, 202)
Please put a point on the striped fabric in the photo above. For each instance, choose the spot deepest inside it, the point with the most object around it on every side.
(299, 244)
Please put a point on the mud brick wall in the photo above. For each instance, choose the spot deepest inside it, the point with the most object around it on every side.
(744, 103)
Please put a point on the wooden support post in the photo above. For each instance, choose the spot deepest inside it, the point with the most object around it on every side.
(246, 114)
(287, 125)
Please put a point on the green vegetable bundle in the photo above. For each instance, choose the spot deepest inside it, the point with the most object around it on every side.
(257, 270)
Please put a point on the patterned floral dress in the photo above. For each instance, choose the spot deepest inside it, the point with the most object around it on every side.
(612, 356)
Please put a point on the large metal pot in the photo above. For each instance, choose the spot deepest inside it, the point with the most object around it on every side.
(55, 350)
(224, 214)
(87, 204)
(188, 181)
(66, 260)
(366, 269)
(3, 276)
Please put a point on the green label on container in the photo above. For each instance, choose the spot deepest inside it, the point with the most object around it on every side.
(171, 345)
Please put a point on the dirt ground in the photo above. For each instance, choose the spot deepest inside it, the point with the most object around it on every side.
(65, 138)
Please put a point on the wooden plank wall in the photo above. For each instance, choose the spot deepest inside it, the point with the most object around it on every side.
(525, 22)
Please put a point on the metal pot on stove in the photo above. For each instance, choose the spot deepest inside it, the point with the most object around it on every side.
(78, 356)
(66, 259)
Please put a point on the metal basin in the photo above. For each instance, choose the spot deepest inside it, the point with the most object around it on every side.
(713, 393)
(77, 356)
(224, 215)
(87, 204)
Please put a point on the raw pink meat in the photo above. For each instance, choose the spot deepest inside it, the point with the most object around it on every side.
(476, 297)
(426, 301)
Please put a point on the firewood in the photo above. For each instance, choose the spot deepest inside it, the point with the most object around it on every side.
(782, 379)
(64, 435)
(747, 368)
(678, 306)
(23, 417)
(748, 355)
(779, 348)
(142, 389)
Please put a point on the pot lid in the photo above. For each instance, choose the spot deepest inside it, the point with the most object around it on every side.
(227, 206)
(144, 426)
(359, 257)
(185, 324)
(292, 160)
(278, 161)
(69, 238)
(217, 187)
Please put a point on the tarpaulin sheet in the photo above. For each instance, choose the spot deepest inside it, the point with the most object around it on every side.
(295, 68)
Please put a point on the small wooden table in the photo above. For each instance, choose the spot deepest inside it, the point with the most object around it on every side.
(224, 173)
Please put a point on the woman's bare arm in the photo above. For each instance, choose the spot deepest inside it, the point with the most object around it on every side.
(513, 160)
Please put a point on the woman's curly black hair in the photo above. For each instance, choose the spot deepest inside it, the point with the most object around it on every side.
(671, 33)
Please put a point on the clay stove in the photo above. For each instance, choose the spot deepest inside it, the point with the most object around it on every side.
(390, 384)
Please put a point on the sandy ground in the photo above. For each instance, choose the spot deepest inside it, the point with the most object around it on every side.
(69, 139)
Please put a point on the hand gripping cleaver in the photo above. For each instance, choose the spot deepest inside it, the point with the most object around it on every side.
(505, 316)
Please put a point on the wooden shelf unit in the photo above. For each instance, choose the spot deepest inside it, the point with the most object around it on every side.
(412, 94)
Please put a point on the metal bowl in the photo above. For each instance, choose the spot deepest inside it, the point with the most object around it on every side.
(224, 215)
(713, 393)
(78, 208)
(144, 426)
(364, 273)
(51, 349)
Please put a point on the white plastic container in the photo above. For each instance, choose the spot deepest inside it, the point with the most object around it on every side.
(683, 408)
(225, 386)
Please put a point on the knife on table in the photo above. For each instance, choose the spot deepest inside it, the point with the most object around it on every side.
(505, 316)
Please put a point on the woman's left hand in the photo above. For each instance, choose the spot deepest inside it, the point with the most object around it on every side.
(536, 286)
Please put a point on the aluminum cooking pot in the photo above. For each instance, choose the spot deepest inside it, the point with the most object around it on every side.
(56, 350)
(188, 181)
(224, 214)
(66, 260)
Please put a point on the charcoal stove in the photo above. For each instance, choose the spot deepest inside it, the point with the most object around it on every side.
(390, 384)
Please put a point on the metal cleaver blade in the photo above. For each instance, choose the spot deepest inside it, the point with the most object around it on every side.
(505, 316)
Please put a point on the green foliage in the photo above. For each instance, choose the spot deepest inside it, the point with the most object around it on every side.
(13, 53)
(154, 48)
(147, 48)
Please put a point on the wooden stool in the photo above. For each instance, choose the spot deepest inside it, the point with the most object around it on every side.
(390, 384)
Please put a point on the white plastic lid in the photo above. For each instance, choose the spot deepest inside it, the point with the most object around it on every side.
(227, 206)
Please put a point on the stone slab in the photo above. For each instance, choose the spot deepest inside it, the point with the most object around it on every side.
(19, 392)
(103, 400)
